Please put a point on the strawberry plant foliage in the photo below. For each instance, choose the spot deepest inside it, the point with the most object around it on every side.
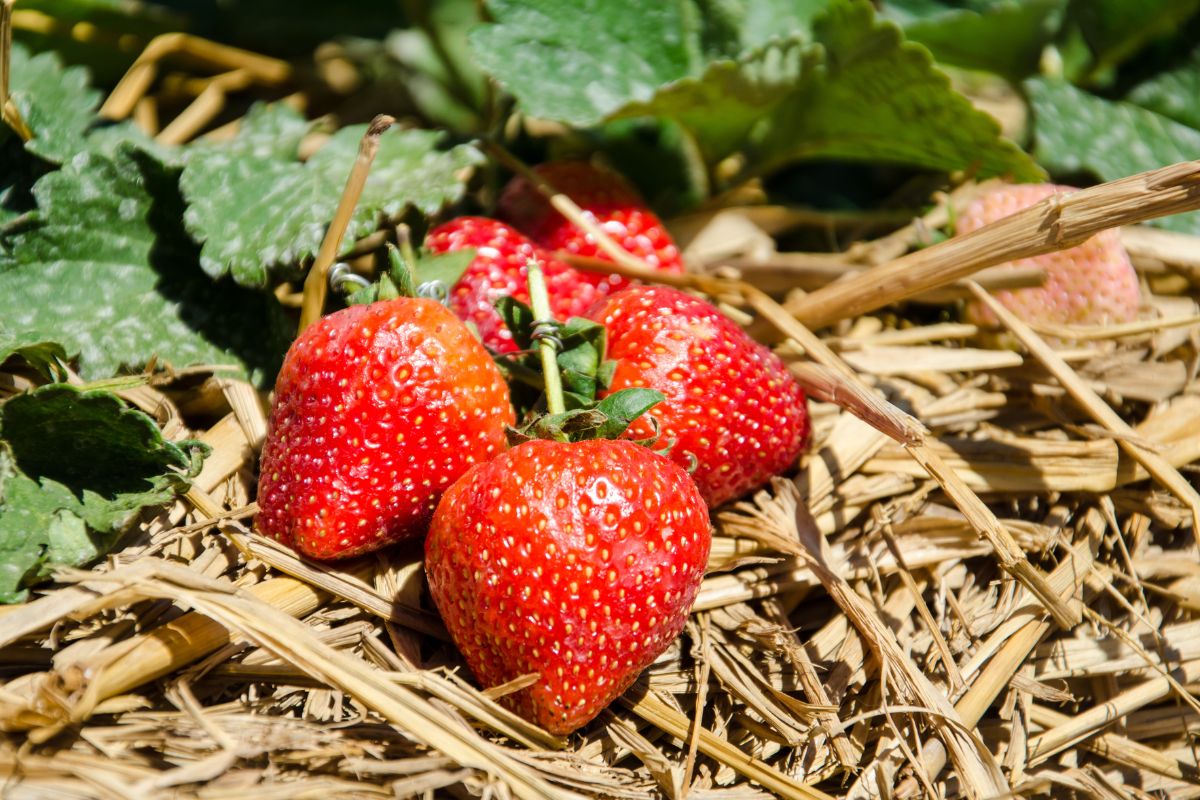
(55, 102)
(104, 267)
(1173, 94)
(1080, 132)
(76, 467)
(259, 210)
(856, 91)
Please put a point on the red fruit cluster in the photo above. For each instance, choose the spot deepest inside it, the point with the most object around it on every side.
(608, 200)
(577, 561)
(503, 251)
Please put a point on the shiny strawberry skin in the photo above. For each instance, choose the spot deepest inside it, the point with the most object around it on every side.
(498, 270)
(732, 408)
(610, 201)
(576, 561)
(378, 409)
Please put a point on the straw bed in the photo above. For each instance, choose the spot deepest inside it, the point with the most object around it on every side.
(981, 581)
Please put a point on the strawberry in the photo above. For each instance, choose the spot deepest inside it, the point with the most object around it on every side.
(578, 561)
(499, 270)
(1091, 284)
(732, 408)
(609, 200)
(378, 408)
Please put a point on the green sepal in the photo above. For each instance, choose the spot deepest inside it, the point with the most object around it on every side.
(581, 361)
(400, 272)
(607, 419)
(401, 281)
(445, 268)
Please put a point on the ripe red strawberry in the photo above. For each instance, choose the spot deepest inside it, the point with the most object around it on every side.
(1092, 284)
(731, 403)
(378, 409)
(499, 270)
(576, 561)
(610, 201)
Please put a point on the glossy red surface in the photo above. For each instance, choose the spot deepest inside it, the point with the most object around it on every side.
(377, 410)
(732, 408)
(579, 562)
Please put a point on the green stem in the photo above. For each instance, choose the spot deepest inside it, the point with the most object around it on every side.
(539, 298)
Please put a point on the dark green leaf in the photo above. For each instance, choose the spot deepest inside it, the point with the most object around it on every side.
(445, 268)
(519, 319)
(1174, 94)
(47, 358)
(105, 268)
(1004, 37)
(857, 92)
(1079, 132)
(1117, 29)
(76, 467)
(722, 105)
(875, 97)
(87, 440)
(621, 408)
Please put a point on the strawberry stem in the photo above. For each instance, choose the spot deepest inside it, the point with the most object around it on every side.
(539, 299)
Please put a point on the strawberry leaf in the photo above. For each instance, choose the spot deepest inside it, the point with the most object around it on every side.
(857, 91)
(45, 357)
(607, 419)
(76, 468)
(104, 267)
(1173, 94)
(56, 103)
(1078, 132)
(1001, 37)
(259, 211)
(873, 96)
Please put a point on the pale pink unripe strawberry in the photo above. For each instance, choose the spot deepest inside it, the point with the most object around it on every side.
(1091, 284)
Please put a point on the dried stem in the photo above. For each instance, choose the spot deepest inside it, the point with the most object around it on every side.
(316, 285)
(1056, 223)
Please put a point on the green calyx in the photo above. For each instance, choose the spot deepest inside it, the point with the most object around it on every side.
(567, 361)
(410, 274)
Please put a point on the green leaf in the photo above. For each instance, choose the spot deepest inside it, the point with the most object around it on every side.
(56, 103)
(732, 27)
(721, 106)
(105, 268)
(858, 91)
(1004, 37)
(1173, 94)
(876, 97)
(87, 440)
(1117, 29)
(1079, 132)
(46, 357)
(76, 467)
(258, 211)
(580, 62)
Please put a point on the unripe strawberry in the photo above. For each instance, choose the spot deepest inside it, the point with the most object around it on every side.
(1091, 284)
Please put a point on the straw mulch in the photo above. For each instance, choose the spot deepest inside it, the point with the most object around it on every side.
(1025, 621)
